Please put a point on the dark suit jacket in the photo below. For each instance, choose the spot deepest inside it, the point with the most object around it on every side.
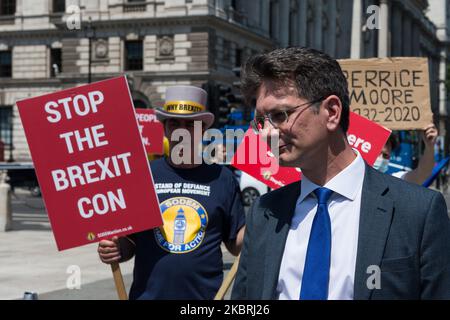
(404, 229)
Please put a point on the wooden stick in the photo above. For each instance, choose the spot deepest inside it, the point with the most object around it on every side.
(228, 280)
(118, 280)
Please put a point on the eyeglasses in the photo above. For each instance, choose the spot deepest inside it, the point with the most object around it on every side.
(277, 118)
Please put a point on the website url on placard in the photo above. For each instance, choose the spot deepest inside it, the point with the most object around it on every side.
(115, 231)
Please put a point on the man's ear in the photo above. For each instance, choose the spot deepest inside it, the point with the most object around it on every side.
(333, 106)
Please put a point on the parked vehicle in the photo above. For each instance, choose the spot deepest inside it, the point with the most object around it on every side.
(22, 175)
(251, 188)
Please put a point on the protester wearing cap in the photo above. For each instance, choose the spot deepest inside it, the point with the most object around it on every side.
(201, 208)
(184, 106)
(185, 103)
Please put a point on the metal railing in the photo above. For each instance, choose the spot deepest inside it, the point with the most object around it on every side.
(135, 6)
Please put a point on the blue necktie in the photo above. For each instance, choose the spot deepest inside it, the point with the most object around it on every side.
(316, 274)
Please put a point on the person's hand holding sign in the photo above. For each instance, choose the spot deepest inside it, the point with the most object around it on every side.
(430, 134)
(426, 162)
(115, 250)
(109, 250)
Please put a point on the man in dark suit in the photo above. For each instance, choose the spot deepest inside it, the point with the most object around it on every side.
(345, 231)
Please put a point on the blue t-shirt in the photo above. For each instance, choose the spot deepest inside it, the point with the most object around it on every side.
(201, 207)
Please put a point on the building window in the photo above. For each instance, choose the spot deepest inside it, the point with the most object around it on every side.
(55, 62)
(293, 21)
(5, 64)
(310, 35)
(133, 55)
(139, 104)
(59, 6)
(226, 51)
(272, 18)
(238, 58)
(135, 6)
(6, 125)
(7, 7)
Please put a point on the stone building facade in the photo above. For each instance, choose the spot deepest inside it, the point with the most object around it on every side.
(48, 45)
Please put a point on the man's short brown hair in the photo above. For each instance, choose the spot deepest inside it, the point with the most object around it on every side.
(314, 74)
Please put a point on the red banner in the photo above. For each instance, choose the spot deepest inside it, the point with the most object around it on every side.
(364, 135)
(253, 156)
(152, 131)
(90, 162)
(367, 137)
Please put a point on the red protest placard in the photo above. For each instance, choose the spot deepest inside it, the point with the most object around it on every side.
(152, 131)
(90, 163)
(367, 137)
(253, 156)
(364, 135)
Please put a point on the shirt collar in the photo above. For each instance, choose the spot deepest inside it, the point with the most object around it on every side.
(347, 183)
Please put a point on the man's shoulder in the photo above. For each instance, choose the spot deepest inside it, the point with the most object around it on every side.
(397, 189)
(275, 205)
(411, 201)
(289, 192)
(399, 186)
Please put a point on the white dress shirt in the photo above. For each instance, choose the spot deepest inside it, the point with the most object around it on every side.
(344, 207)
(399, 174)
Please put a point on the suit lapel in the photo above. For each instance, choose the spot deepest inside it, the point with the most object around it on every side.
(375, 221)
(279, 217)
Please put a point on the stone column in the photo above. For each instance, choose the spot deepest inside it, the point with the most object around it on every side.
(302, 21)
(442, 87)
(220, 8)
(406, 35)
(5, 204)
(275, 16)
(265, 15)
(383, 32)
(355, 52)
(318, 24)
(331, 39)
(283, 32)
(415, 39)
